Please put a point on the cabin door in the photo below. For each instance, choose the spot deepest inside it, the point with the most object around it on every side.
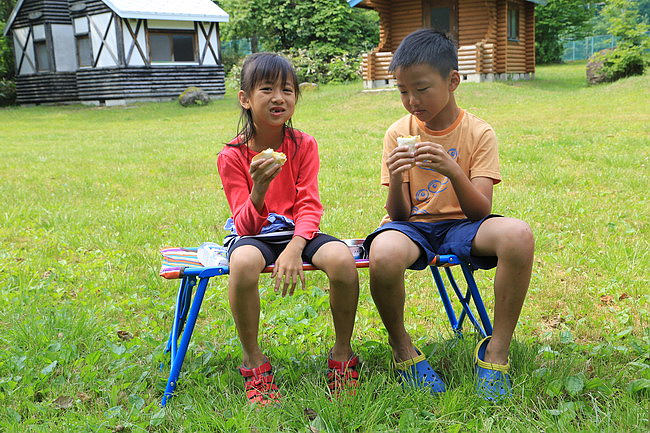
(442, 15)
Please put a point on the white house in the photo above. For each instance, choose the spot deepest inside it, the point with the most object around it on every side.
(115, 51)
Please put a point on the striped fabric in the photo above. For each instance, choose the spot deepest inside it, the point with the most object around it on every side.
(176, 259)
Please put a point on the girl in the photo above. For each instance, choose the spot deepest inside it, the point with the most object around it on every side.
(276, 213)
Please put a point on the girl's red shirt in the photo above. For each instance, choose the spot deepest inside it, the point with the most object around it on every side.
(292, 193)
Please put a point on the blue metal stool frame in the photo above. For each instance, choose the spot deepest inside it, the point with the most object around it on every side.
(187, 310)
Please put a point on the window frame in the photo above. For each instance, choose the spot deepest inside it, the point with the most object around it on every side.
(77, 38)
(37, 63)
(170, 33)
(514, 16)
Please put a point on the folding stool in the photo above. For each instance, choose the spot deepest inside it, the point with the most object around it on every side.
(183, 263)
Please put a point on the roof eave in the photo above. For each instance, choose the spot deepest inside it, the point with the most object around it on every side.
(174, 17)
(12, 17)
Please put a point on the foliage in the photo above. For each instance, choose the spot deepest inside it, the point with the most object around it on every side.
(622, 20)
(325, 30)
(6, 43)
(7, 92)
(556, 20)
(94, 192)
(322, 66)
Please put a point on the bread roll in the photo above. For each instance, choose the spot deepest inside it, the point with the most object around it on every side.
(409, 140)
(279, 157)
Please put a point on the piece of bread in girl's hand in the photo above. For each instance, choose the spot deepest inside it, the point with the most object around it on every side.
(409, 140)
(279, 157)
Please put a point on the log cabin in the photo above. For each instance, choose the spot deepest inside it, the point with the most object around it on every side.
(495, 38)
(112, 52)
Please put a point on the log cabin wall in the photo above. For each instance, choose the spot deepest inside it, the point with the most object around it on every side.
(516, 61)
(529, 34)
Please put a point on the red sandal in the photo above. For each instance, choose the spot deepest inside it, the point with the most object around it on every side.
(343, 375)
(259, 384)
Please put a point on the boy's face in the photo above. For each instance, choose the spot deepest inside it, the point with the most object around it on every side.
(424, 92)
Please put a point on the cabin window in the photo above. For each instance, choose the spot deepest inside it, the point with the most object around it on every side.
(513, 22)
(82, 40)
(441, 19)
(172, 46)
(42, 56)
(84, 53)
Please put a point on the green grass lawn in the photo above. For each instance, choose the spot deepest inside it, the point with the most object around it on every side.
(92, 194)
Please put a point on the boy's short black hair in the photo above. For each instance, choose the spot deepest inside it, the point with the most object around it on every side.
(429, 47)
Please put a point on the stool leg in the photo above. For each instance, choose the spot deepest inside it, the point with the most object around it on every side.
(177, 361)
(446, 302)
(478, 301)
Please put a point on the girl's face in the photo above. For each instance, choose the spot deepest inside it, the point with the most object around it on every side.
(271, 103)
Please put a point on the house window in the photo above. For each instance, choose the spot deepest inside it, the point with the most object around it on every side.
(513, 22)
(172, 46)
(84, 53)
(42, 56)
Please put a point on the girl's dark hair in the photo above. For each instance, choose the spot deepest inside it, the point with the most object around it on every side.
(258, 68)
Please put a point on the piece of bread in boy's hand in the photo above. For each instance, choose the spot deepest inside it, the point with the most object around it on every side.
(409, 140)
(279, 157)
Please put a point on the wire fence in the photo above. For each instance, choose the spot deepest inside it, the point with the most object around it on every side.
(584, 48)
(581, 49)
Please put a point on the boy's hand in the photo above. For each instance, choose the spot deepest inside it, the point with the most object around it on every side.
(400, 160)
(288, 267)
(434, 156)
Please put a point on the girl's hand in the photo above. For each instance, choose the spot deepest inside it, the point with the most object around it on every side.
(288, 268)
(434, 156)
(400, 160)
(263, 171)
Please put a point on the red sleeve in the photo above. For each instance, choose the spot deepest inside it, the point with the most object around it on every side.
(237, 185)
(308, 208)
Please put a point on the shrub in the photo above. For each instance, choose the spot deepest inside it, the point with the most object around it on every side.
(7, 92)
(617, 63)
(312, 65)
(325, 65)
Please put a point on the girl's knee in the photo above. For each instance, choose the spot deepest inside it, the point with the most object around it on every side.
(245, 265)
(339, 265)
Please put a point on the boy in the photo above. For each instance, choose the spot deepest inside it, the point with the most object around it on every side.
(439, 202)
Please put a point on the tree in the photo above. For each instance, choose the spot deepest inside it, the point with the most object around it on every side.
(6, 43)
(556, 20)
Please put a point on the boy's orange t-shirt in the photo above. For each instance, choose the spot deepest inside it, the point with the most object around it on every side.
(469, 140)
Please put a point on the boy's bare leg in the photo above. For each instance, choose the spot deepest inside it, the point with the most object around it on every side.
(511, 240)
(391, 252)
(335, 259)
(246, 263)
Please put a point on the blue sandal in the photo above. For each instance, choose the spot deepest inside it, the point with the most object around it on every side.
(417, 372)
(493, 381)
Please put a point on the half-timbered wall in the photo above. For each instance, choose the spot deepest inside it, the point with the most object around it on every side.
(103, 38)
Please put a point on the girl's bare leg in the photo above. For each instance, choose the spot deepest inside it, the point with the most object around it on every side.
(246, 263)
(335, 259)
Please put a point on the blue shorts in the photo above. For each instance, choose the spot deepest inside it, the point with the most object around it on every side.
(443, 237)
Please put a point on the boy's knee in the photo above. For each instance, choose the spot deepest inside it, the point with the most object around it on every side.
(386, 255)
(518, 239)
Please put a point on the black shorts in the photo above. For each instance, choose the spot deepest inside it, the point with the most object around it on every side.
(272, 247)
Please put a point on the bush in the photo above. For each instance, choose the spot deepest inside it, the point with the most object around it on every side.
(7, 92)
(311, 65)
(620, 62)
(323, 65)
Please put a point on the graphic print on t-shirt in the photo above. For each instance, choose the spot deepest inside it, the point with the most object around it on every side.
(434, 187)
